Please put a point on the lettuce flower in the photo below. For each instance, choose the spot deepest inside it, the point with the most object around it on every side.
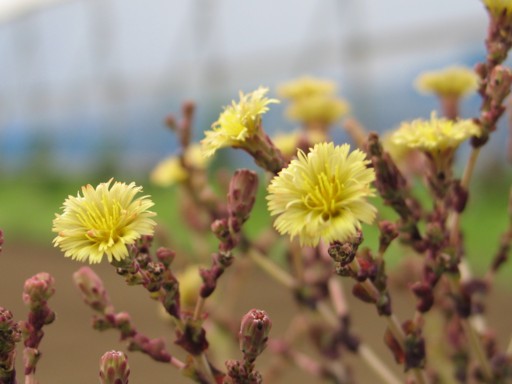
(452, 81)
(103, 221)
(238, 122)
(322, 195)
(306, 86)
(170, 170)
(434, 135)
(499, 8)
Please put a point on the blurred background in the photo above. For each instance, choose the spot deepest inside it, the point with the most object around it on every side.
(85, 86)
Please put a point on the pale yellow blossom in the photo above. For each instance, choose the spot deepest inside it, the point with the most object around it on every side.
(171, 171)
(237, 122)
(322, 194)
(434, 135)
(103, 221)
(452, 81)
(306, 86)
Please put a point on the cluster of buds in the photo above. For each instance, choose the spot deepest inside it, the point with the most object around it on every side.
(36, 292)
(10, 334)
(241, 196)
(496, 82)
(393, 188)
(94, 295)
(362, 266)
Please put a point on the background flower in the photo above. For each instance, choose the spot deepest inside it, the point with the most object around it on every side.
(453, 81)
(322, 195)
(434, 135)
(102, 221)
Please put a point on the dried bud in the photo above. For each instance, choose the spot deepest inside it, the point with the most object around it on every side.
(92, 289)
(38, 289)
(165, 256)
(254, 330)
(1, 239)
(499, 84)
(220, 229)
(458, 196)
(10, 334)
(388, 232)
(342, 253)
(114, 368)
(239, 373)
(424, 293)
(359, 291)
(242, 194)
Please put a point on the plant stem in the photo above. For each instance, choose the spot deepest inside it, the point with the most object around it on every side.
(199, 308)
(476, 344)
(473, 336)
(204, 366)
(372, 360)
(393, 323)
(177, 363)
(272, 269)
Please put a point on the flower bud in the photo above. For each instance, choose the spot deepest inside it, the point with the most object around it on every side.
(114, 368)
(38, 289)
(165, 255)
(242, 193)
(92, 289)
(9, 333)
(254, 330)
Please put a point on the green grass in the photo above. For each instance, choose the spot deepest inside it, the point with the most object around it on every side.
(28, 205)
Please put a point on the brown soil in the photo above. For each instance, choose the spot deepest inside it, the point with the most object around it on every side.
(71, 348)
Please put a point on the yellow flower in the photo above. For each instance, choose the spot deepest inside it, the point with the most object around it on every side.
(317, 108)
(170, 170)
(237, 122)
(190, 282)
(499, 8)
(288, 143)
(104, 220)
(322, 195)
(452, 81)
(434, 135)
(306, 86)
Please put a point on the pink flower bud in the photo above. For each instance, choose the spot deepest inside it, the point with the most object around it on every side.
(92, 289)
(114, 368)
(254, 330)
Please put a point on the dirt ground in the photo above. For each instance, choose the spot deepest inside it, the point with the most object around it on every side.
(71, 348)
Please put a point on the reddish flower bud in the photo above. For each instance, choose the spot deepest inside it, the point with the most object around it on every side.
(242, 194)
(92, 289)
(114, 368)
(254, 330)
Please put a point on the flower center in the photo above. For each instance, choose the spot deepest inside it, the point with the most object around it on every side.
(324, 196)
(103, 221)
